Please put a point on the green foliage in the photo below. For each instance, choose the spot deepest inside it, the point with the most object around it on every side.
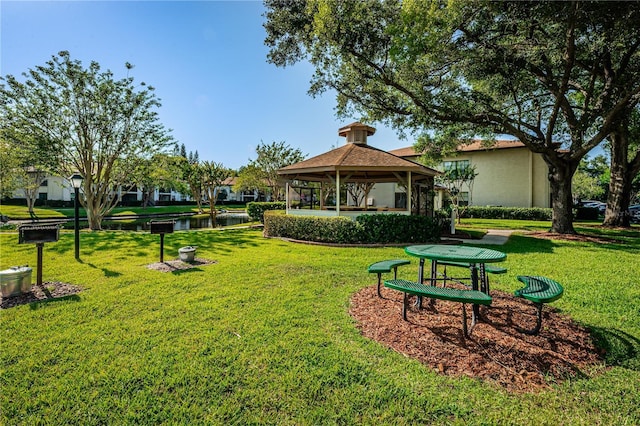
(397, 228)
(455, 180)
(256, 210)
(11, 171)
(366, 229)
(161, 170)
(213, 177)
(85, 121)
(517, 213)
(585, 187)
(540, 71)
(340, 230)
(262, 173)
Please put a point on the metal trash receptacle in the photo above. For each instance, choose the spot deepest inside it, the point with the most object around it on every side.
(15, 280)
(187, 254)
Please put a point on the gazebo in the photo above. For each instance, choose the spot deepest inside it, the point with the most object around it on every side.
(339, 182)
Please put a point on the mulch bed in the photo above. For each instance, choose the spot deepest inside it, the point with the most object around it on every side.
(496, 351)
(49, 290)
(179, 265)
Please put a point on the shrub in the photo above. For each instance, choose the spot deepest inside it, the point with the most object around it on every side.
(366, 229)
(310, 228)
(517, 213)
(397, 228)
(256, 210)
(587, 213)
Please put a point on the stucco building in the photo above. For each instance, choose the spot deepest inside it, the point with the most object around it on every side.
(508, 173)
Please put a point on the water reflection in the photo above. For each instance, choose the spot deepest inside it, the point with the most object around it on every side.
(181, 223)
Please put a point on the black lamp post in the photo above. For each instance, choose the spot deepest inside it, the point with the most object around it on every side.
(76, 182)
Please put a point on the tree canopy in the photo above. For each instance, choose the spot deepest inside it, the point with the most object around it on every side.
(559, 76)
(262, 173)
(88, 122)
(213, 177)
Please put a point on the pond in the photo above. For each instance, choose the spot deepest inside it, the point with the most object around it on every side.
(181, 223)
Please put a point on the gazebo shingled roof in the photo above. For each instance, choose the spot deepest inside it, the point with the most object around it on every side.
(358, 160)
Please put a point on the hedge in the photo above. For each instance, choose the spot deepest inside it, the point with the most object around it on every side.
(518, 213)
(256, 210)
(366, 229)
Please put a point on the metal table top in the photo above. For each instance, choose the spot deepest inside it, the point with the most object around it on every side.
(456, 253)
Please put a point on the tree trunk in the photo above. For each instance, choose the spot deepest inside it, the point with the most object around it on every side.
(561, 199)
(31, 201)
(213, 213)
(622, 175)
(31, 188)
(92, 208)
(619, 185)
(147, 195)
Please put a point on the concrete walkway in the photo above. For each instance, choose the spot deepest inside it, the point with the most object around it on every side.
(493, 237)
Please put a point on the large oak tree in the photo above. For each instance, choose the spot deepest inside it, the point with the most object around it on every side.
(88, 122)
(559, 76)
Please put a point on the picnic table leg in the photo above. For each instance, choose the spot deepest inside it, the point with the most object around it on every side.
(405, 305)
(484, 280)
(434, 272)
(465, 330)
(474, 286)
(420, 278)
(538, 326)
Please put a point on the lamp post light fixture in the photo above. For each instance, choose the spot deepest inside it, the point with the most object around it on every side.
(76, 182)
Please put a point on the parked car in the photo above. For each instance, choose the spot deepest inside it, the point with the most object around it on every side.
(594, 205)
(634, 213)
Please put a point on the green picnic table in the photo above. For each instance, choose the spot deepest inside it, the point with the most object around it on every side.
(476, 257)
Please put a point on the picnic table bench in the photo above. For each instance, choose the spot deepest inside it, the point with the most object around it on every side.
(539, 290)
(433, 292)
(386, 266)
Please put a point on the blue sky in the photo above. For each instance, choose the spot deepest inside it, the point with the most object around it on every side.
(207, 61)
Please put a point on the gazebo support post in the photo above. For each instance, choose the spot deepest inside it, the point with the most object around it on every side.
(338, 192)
(286, 199)
(409, 194)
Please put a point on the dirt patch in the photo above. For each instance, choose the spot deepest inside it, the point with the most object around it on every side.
(496, 351)
(179, 265)
(47, 291)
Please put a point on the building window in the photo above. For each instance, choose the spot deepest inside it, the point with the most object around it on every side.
(455, 165)
(463, 198)
(44, 183)
(42, 196)
(400, 200)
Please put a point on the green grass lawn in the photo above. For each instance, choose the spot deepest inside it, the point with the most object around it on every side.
(263, 336)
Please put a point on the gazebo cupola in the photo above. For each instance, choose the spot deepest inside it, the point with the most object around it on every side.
(356, 132)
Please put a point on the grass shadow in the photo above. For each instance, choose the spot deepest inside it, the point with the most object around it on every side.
(621, 348)
(36, 305)
(107, 273)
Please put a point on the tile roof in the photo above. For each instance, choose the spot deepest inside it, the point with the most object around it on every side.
(230, 181)
(476, 145)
